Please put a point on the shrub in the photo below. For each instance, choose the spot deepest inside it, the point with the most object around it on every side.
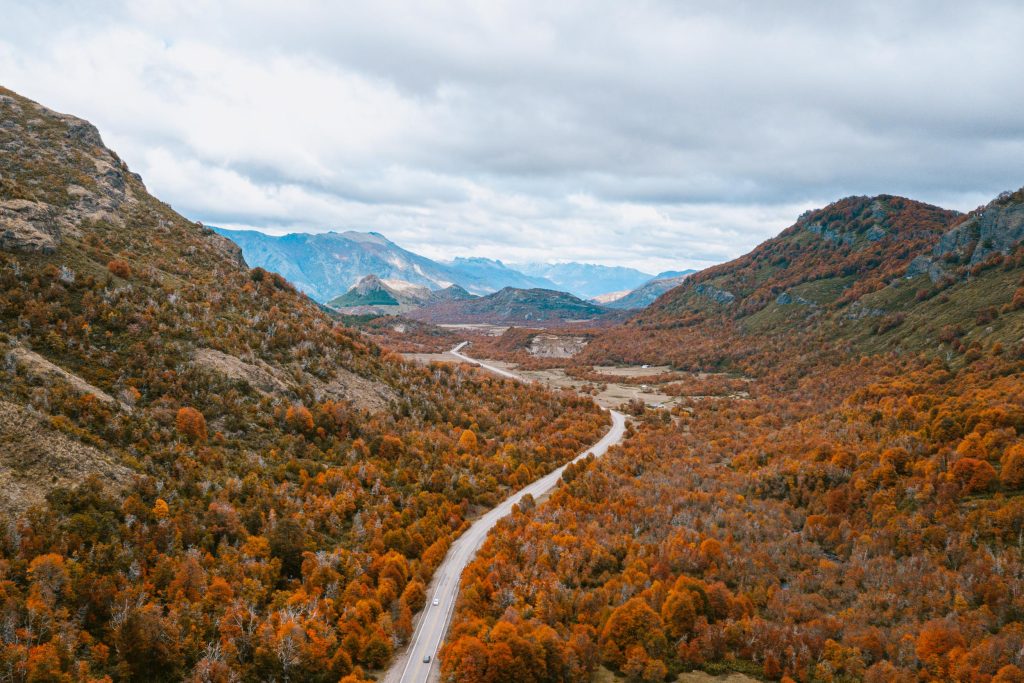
(120, 268)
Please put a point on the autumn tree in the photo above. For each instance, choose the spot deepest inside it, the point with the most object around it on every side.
(287, 543)
(468, 441)
(148, 645)
(299, 418)
(191, 424)
(1011, 474)
(973, 475)
(632, 623)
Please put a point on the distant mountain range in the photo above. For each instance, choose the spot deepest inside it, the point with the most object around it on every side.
(492, 275)
(511, 306)
(586, 280)
(327, 265)
(324, 265)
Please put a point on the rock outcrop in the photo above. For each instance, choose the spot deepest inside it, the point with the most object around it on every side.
(788, 298)
(720, 296)
(996, 228)
(922, 265)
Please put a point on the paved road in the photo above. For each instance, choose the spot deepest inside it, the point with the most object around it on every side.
(409, 666)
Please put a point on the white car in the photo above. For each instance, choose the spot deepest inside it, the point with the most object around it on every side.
(436, 601)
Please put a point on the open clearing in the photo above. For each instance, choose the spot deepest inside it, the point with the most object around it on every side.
(632, 370)
(486, 329)
(613, 396)
(603, 675)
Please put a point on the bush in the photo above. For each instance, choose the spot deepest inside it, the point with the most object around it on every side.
(120, 268)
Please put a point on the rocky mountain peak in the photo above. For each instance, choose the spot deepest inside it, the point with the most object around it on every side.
(38, 209)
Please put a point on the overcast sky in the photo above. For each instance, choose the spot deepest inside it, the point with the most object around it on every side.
(652, 134)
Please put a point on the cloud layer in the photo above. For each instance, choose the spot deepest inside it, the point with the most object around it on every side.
(653, 134)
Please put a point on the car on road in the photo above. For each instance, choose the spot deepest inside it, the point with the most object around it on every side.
(426, 659)
(436, 601)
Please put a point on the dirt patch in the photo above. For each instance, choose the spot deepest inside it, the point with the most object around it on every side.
(428, 358)
(269, 380)
(35, 458)
(555, 346)
(603, 675)
(612, 395)
(485, 329)
(365, 393)
(632, 370)
(32, 364)
(701, 677)
(259, 375)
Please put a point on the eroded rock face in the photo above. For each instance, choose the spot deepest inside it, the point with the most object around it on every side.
(879, 214)
(28, 226)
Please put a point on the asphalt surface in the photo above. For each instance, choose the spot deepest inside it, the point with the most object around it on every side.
(432, 625)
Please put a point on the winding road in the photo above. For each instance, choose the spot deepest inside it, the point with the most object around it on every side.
(409, 666)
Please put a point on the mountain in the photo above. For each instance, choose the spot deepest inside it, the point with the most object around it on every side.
(451, 293)
(666, 274)
(489, 275)
(369, 291)
(513, 306)
(832, 255)
(195, 454)
(586, 280)
(879, 273)
(373, 295)
(324, 265)
(644, 295)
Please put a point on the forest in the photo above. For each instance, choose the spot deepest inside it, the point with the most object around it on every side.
(836, 525)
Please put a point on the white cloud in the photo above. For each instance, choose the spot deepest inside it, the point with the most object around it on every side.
(655, 134)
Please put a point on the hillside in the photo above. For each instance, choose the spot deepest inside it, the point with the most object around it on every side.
(879, 273)
(647, 293)
(513, 306)
(205, 477)
(846, 249)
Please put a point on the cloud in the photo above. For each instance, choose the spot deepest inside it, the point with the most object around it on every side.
(653, 134)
